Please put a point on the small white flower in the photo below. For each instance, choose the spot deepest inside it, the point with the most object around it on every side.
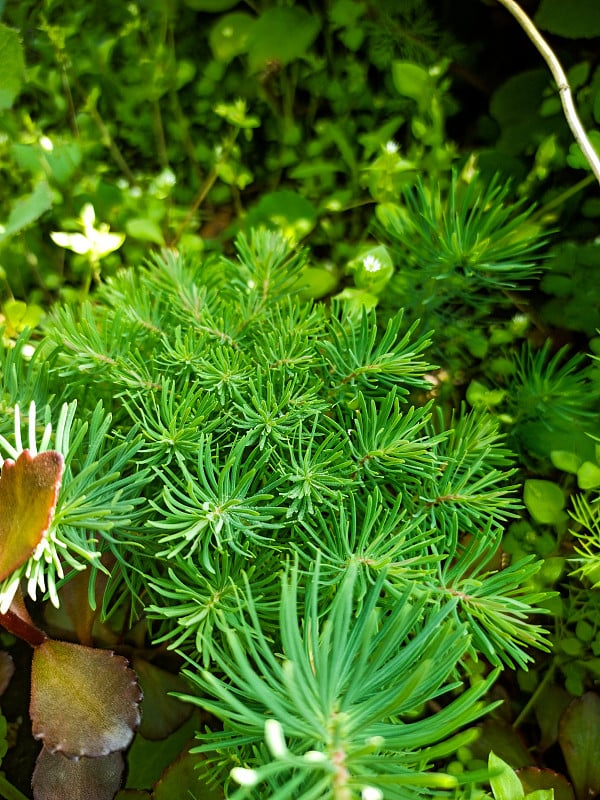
(371, 264)
(391, 147)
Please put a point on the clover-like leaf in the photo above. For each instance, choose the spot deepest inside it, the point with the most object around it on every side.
(28, 492)
(84, 701)
(55, 775)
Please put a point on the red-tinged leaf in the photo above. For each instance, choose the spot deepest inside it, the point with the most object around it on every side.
(161, 713)
(28, 492)
(84, 702)
(534, 778)
(57, 777)
(7, 670)
(18, 622)
(181, 779)
(579, 738)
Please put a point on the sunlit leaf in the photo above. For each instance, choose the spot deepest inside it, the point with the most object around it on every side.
(28, 491)
(84, 701)
(27, 209)
(12, 66)
(55, 776)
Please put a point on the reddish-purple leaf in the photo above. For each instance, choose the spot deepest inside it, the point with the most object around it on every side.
(534, 779)
(28, 492)
(57, 777)
(18, 622)
(84, 702)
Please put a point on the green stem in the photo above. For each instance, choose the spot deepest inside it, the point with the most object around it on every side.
(534, 697)
(563, 196)
(8, 791)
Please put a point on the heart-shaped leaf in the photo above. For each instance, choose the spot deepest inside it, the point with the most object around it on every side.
(28, 492)
(55, 775)
(84, 702)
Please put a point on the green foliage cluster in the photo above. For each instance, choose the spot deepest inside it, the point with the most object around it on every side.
(289, 499)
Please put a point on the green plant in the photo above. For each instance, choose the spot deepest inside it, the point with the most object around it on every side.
(260, 435)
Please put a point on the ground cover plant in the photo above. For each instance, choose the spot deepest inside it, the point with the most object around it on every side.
(298, 418)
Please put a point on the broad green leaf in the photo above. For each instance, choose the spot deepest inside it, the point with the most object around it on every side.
(411, 80)
(229, 36)
(588, 475)
(147, 760)
(17, 315)
(55, 775)
(27, 209)
(181, 780)
(281, 35)
(566, 461)
(145, 229)
(106, 709)
(315, 282)
(28, 492)
(579, 738)
(12, 66)
(503, 780)
(162, 713)
(545, 501)
(576, 19)
(480, 396)
(285, 210)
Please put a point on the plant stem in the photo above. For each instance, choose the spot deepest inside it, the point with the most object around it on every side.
(548, 675)
(564, 89)
(563, 197)
(8, 791)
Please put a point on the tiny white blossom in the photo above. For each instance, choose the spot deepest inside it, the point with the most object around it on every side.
(391, 147)
(371, 264)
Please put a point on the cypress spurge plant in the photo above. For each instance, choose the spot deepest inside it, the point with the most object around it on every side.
(309, 536)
